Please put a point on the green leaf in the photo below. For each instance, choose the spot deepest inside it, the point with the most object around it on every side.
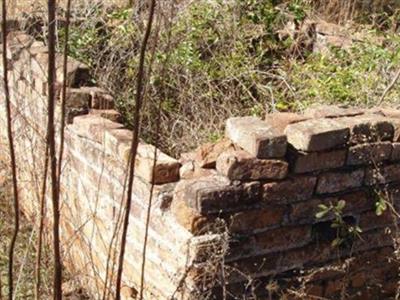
(321, 214)
(341, 204)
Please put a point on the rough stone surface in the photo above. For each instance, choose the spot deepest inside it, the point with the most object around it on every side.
(273, 231)
(190, 170)
(240, 165)
(368, 129)
(257, 219)
(331, 111)
(280, 120)
(290, 190)
(303, 162)
(369, 153)
(317, 135)
(256, 137)
(334, 182)
(207, 154)
(382, 175)
(166, 168)
(396, 152)
(215, 193)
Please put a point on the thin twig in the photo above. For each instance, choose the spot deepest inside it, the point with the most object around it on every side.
(134, 146)
(41, 225)
(64, 90)
(389, 87)
(12, 155)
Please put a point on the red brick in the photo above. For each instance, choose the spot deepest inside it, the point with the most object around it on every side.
(280, 120)
(396, 152)
(334, 182)
(251, 220)
(331, 111)
(240, 165)
(290, 190)
(369, 153)
(215, 194)
(256, 137)
(206, 155)
(383, 175)
(302, 162)
(272, 240)
(317, 135)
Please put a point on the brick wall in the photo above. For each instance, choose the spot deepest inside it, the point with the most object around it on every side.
(235, 218)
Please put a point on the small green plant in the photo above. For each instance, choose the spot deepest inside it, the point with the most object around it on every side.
(345, 231)
(380, 203)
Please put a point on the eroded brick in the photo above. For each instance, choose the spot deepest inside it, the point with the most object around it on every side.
(240, 165)
(280, 120)
(334, 182)
(290, 190)
(303, 162)
(382, 175)
(215, 193)
(317, 135)
(256, 137)
(369, 153)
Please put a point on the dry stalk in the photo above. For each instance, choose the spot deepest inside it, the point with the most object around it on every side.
(55, 195)
(12, 154)
(134, 146)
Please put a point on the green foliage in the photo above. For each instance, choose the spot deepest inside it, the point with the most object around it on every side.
(345, 233)
(221, 58)
(355, 76)
(380, 203)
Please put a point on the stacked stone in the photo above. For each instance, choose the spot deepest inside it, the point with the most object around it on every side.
(96, 154)
(257, 191)
(268, 178)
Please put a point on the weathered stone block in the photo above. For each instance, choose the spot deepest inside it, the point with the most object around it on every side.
(290, 190)
(215, 194)
(303, 162)
(77, 98)
(369, 153)
(93, 127)
(207, 154)
(368, 129)
(256, 219)
(109, 114)
(190, 170)
(331, 111)
(396, 152)
(188, 217)
(240, 165)
(281, 120)
(304, 212)
(166, 168)
(256, 137)
(317, 135)
(334, 182)
(382, 175)
(272, 240)
(100, 99)
(370, 220)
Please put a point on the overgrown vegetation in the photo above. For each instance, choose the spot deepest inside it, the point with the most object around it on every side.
(24, 252)
(214, 59)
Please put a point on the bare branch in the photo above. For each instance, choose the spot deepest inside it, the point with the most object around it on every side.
(134, 146)
(12, 154)
(55, 196)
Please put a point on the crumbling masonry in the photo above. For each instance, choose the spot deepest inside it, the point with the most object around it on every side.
(237, 218)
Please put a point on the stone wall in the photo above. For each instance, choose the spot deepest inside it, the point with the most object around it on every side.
(290, 204)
